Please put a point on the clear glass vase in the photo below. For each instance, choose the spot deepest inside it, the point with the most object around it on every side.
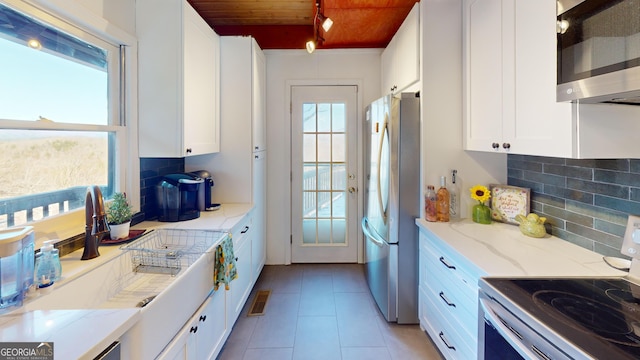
(481, 214)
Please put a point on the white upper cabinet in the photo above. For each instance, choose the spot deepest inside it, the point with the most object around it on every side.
(259, 105)
(401, 58)
(510, 89)
(179, 65)
(509, 49)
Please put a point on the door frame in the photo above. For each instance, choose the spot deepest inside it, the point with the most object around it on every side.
(360, 153)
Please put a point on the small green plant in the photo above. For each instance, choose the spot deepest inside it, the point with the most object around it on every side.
(119, 211)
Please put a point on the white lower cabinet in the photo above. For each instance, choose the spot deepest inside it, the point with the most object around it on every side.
(448, 298)
(240, 288)
(204, 334)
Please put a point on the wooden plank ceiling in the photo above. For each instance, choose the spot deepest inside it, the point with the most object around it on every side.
(288, 24)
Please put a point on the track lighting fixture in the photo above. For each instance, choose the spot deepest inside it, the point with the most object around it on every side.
(311, 46)
(324, 22)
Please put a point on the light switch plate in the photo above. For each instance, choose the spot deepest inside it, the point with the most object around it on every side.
(631, 240)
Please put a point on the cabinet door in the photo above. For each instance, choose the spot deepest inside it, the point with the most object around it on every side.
(406, 58)
(258, 238)
(259, 103)
(178, 80)
(483, 68)
(241, 286)
(386, 63)
(540, 125)
(510, 79)
(179, 347)
(400, 61)
(200, 64)
(212, 326)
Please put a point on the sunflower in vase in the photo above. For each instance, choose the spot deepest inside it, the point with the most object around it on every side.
(480, 213)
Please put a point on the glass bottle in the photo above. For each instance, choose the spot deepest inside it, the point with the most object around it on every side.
(442, 201)
(430, 204)
(454, 199)
(47, 267)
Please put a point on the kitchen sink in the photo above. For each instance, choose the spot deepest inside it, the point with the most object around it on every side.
(170, 271)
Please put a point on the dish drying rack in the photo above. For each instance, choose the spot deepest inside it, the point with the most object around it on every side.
(167, 251)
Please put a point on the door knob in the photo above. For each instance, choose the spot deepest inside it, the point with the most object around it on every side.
(353, 190)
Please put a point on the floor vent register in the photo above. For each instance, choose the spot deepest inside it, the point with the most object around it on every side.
(259, 303)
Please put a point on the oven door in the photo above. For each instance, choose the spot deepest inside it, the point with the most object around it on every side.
(504, 336)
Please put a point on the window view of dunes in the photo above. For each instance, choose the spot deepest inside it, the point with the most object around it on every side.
(53, 168)
(55, 137)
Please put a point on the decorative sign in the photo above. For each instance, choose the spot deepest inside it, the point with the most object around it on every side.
(509, 201)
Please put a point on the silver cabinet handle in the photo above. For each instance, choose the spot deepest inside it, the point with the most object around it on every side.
(446, 301)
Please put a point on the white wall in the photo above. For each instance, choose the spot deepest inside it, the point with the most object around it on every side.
(441, 94)
(121, 13)
(284, 68)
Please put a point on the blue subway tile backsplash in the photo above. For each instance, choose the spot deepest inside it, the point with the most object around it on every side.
(586, 202)
(151, 172)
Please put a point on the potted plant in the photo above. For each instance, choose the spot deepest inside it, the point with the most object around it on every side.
(119, 214)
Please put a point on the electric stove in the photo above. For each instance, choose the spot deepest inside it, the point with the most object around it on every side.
(581, 317)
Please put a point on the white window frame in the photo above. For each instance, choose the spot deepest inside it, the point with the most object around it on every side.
(70, 16)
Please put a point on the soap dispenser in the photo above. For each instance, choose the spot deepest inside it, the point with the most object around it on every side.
(47, 268)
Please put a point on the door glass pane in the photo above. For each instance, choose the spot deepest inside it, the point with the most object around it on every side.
(338, 113)
(309, 177)
(309, 148)
(324, 147)
(309, 118)
(324, 204)
(339, 205)
(324, 117)
(325, 177)
(309, 231)
(324, 231)
(339, 177)
(339, 231)
(338, 148)
(309, 199)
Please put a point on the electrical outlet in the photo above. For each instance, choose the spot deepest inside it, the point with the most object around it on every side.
(631, 240)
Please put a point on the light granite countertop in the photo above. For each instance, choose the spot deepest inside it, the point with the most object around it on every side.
(84, 333)
(501, 249)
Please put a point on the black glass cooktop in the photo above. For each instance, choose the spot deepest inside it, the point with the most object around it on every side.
(600, 316)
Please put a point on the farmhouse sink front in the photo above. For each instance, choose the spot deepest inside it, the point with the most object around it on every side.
(118, 283)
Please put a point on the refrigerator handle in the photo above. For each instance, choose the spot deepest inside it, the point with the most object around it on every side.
(368, 234)
(382, 133)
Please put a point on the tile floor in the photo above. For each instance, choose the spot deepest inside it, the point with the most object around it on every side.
(321, 311)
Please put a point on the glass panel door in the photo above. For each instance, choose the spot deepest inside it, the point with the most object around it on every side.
(323, 187)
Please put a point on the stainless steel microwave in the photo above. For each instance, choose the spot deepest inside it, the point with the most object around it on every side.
(598, 51)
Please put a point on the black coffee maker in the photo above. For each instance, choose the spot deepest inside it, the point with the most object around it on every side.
(205, 203)
(177, 196)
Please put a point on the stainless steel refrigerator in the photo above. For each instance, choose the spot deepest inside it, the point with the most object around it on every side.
(392, 203)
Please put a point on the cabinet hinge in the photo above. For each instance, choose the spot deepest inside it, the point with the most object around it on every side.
(290, 239)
